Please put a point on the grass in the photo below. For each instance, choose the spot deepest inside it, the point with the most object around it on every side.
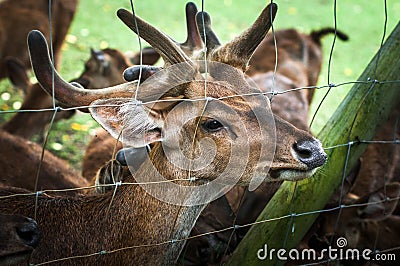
(96, 25)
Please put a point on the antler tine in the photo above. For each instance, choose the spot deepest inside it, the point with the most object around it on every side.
(168, 49)
(193, 40)
(238, 52)
(203, 21)
(65, 93)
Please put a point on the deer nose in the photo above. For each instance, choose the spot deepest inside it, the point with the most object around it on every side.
(310, 152)
(29, 233)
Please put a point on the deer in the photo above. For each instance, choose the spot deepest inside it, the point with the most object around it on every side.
(131, 208)
(301, 51)
(299, 56)
(37, 173)
(19, 236)
(21, 163)
(27, 124)
(105, 67)
(17, 18)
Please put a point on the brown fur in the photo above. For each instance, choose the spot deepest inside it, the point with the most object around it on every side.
(299, 56)
(17, 18)
(380, 162)
(149, 57)
(98, 152)
(19, 164)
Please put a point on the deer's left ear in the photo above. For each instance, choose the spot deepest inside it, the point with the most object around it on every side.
(97, 54)
(128, 121)
(17, 73)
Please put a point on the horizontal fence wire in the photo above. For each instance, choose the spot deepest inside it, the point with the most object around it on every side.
(371, 81)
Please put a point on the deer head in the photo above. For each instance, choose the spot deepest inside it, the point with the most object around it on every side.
(103, 68)
(190, 109)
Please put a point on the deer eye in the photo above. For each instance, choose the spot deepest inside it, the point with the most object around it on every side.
(212, 125)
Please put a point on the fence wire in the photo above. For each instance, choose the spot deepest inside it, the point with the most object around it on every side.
(290, 216)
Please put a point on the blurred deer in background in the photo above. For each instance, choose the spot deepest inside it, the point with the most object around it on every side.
(21, 161)
(105, 67)
(26, 124)
(87, 217)
(17, 18)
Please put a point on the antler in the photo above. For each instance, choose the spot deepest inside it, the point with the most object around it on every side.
(64, 92)
(193, 40)
(238, 52)
(167, 48)
(203, 21)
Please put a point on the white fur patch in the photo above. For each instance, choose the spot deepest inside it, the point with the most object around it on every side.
(138, 124)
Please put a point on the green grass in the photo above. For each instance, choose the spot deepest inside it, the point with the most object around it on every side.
(96, 25)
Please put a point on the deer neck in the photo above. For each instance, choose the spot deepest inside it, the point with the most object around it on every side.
(176, 221)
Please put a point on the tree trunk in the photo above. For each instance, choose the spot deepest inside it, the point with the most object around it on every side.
(365, 108)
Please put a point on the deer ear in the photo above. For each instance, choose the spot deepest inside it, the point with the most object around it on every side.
(17, 73)
(97, 54)
(381, 209)
(128, 121)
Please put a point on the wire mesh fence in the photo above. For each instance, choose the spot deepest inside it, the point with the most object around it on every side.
(344, 200)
